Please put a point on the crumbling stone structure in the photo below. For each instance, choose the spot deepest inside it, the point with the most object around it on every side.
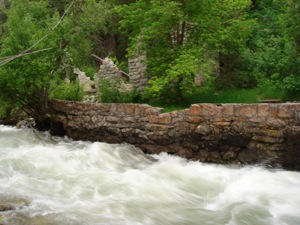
(108, 70)
(85, 81)
(137, 72)
(224, 133)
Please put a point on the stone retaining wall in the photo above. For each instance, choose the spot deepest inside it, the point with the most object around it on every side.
(225, 133)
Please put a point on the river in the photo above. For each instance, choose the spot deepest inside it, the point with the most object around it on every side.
(56, 181)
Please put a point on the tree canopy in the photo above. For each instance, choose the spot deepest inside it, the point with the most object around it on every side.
(26, 77)
(229, 44)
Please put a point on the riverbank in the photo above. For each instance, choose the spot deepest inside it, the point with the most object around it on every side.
(267, 134)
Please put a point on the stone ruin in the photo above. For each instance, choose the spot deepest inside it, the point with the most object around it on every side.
(109, 70)
(137, 72)
(85, 81)
(136, 79)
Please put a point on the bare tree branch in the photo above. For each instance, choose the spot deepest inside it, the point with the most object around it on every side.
(97, 57)
(9, 58)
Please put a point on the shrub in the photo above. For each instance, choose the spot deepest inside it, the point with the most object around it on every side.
(177, 85)
(110, 94)
(291, 84)
(68, 91)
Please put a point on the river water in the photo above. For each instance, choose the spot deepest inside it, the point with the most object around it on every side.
(55, 181)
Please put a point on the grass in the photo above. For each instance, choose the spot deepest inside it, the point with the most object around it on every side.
(237, 96)
(247, 96)
(243, 95)
(170, 108)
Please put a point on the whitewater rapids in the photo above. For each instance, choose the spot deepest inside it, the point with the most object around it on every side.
(56, 181)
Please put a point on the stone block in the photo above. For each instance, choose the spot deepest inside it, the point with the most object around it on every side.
(113, 109)
(120, 109)
(242, 120)
(142, 120)
(237, 110)
(203, 130)
(155, 127)
(248, 111)
(76, 112)
(276, 123)
(228, 110)
(135, 76)
(277, 147)
(140, 65)
(273, 133)
(153, 111)
(87, 118)
(285, 112)
(263, 110)
(257, 121)
(214, 156)
(138, 111)
(94, 119)
(77, 107)
(101, 107)
(210, 110)
(160, 132)
(91, 112)
(229, 156)
(153, 119)
(129, 120)
(271, 155)
(222, 119)
(248, 156)
(174, 133)
(267, 139)
(183, 112)
(184, 152)
(165, 118)
(129, 109)
(112, 119)
(195, 110)
(191, 119)
(273, 110)
(221, 123)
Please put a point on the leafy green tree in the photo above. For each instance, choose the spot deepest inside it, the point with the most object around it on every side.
(72, 91)
(166, 30)
(38, 51)
(31, 57)
(290, 21)
(90, 28)
(272, 55)
(177, 86)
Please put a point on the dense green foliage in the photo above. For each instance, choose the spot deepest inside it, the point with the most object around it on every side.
(109, 93)
(25, 81)
(179, 43)
(237, 48)
(68, 91)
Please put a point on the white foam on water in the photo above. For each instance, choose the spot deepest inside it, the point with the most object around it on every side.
(53, 180)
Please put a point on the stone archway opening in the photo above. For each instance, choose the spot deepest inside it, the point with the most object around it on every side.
(57, 129)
